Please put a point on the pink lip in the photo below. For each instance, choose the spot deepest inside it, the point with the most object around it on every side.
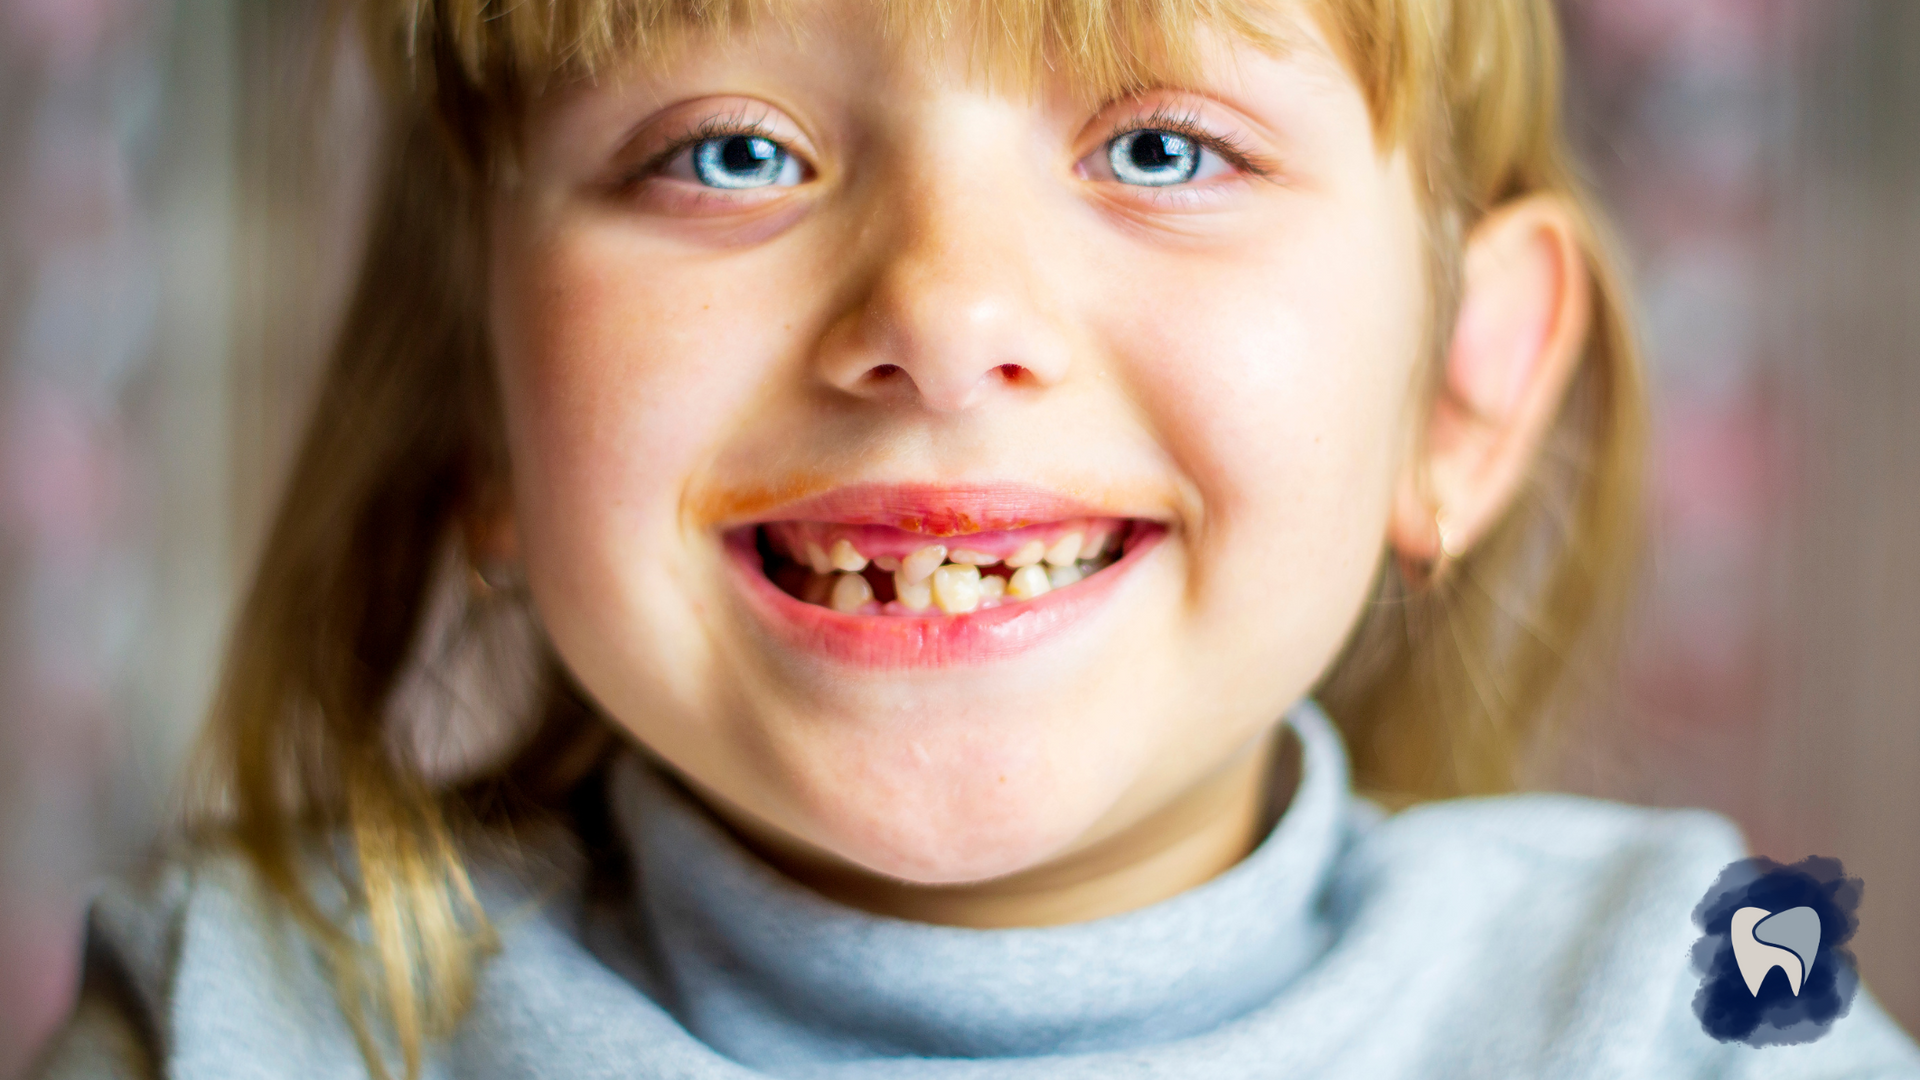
(933, 641)
(939, 510)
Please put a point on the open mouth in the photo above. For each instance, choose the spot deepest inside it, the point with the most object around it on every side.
(904, 576)
(888, 572)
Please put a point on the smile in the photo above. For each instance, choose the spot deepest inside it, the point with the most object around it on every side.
(918, 577)
(891, 572)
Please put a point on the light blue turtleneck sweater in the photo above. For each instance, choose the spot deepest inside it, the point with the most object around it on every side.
(1525, 936)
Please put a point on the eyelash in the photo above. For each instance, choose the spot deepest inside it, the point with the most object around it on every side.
(1186, 125)
(714, 127)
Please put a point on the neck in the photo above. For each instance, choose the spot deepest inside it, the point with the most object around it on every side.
(1199, 835)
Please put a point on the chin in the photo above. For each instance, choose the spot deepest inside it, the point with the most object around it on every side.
(978, 828)
(944, 796)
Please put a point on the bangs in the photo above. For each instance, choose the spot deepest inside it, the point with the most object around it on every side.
(492, 55)
(1107, 46)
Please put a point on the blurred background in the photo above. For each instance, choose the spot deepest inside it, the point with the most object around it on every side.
(179, 198)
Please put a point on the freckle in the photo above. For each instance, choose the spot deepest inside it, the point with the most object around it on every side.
(1003, 779)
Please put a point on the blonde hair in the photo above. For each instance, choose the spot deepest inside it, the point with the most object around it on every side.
(1437, 690)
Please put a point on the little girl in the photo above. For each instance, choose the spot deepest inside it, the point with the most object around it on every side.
(972, 488)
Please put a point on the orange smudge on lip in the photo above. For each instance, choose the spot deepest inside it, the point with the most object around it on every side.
(742, 505)
(927, 508)
(718, 506)
(951, 523)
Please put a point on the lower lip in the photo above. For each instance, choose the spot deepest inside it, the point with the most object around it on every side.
(934, 641)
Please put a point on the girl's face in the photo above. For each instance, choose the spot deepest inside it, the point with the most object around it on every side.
(818, 300)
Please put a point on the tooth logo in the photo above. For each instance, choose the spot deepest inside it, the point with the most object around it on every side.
(1760, 915)
(1764, 940)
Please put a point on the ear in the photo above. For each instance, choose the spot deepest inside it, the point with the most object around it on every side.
(1525, 310)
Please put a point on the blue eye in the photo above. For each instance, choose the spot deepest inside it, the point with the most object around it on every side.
(744, 161)
(1152, 158)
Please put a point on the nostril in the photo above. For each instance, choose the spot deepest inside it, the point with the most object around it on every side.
(936, 385)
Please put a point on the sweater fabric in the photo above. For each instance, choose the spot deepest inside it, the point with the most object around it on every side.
(1518, 936)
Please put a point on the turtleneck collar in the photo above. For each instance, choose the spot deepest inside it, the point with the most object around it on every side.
(779, 978)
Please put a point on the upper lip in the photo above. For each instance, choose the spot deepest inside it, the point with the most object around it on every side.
(943, 509)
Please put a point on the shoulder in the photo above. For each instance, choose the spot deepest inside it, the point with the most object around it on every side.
(1554, 871)
(1539, 876)
(1565, 924)
(130, 940)
(1540, 838)
(192, 949)
(195, 967)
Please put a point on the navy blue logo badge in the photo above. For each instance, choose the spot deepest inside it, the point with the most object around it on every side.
(1773, 967)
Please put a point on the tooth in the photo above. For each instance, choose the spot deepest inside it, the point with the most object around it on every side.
(993, 588)
(845, 557)
(1095, 545)
(889, 563)
(1030, 552)
(920, 565)
(1065, 550)
(850, 592)
(972, 558)
(1028, 582)
(957, 589)
(817, 559)
(914, 595)
(1062, 576)
(1764, 940)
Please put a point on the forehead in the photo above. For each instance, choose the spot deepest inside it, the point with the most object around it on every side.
(1102, 48)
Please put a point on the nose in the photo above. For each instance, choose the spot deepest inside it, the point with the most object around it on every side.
(956, 312)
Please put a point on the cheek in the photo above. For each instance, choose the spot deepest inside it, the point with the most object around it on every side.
(1279, 382)
(605, 368)
(618, 381)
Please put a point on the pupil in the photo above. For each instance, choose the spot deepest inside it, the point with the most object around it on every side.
(744, 154)
(1151, 151)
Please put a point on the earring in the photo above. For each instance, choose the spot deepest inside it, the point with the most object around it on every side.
(490, 579)
(1451, 549)
(1450, 545)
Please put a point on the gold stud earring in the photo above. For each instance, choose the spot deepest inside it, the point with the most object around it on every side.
(1450, 549)
(1450, 545)
(491, 579)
